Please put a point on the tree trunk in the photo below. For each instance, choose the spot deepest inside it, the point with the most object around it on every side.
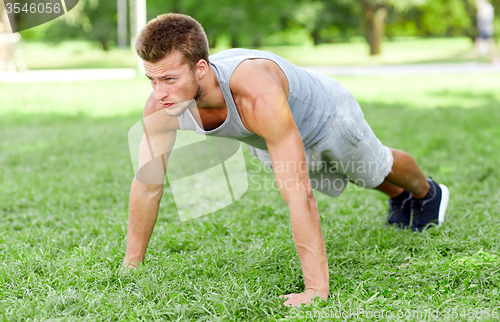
(315, 36)
(234, 41)
(104, 44)
(375, 27)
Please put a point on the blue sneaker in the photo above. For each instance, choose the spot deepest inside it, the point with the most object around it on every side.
(400, 210)
(431, 209)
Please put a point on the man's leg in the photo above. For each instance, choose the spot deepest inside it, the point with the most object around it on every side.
(405, 175)
(410, 191)
(360, 156)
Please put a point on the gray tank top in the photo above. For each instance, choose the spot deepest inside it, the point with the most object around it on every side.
(315, 100)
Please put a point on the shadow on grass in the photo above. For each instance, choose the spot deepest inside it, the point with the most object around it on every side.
(488, 99)
(458, 57)
(40, 119)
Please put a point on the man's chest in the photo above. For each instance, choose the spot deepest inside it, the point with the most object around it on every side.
(211, 118)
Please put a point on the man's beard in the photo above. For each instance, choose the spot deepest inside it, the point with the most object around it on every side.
(199, 93)
(179, 108)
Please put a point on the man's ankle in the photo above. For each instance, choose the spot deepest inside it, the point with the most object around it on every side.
(402, 196)
(428, 194)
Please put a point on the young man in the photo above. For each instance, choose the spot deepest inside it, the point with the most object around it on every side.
(286, 115)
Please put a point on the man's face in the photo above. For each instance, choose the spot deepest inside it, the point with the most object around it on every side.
(174, 83)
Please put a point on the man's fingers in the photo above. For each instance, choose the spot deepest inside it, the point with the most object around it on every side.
(293, 302)
(296, 299)
(291, 299)
(287, 296)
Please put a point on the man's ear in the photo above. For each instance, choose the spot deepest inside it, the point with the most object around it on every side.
(201, 68)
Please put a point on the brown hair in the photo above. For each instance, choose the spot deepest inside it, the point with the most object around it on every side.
(173, 31)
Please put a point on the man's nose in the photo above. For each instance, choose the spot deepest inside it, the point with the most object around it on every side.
(161, 92)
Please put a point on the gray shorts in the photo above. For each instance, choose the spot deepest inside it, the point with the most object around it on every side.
(349, 151)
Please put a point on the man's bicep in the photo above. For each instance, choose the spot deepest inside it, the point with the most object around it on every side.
(262, 103)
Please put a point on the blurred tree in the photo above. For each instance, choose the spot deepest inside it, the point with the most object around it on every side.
(319, 15)
(470, 28)
(246, 23)
(103, 19)
(442, 18)
(313, 15)
(95, 20)
(375, 13)
(445, 18)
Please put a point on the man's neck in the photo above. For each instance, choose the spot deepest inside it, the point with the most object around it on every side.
(212, 97)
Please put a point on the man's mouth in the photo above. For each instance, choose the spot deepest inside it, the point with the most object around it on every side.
(167, 105)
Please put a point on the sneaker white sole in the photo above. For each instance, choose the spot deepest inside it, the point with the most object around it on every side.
(445, 197)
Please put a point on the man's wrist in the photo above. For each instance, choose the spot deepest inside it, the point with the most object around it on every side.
(129, 262)
(322, 292)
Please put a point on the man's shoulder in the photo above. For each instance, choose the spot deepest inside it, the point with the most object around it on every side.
(238, 53)
(253, 74)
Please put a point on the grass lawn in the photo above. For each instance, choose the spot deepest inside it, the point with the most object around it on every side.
(79, 54)
(75, 54)
(65, 175)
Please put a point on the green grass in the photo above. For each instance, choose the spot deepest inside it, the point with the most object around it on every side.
(65, 175)
(75, 54)
(79, 54)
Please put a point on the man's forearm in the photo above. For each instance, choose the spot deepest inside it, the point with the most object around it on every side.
(143, 211)
(311, 249)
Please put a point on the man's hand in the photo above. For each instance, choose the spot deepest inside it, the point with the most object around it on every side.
(130, 263)
(306, 297)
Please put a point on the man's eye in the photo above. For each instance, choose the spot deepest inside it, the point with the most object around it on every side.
(169, 79)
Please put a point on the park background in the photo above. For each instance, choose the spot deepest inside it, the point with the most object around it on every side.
(65, 171)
